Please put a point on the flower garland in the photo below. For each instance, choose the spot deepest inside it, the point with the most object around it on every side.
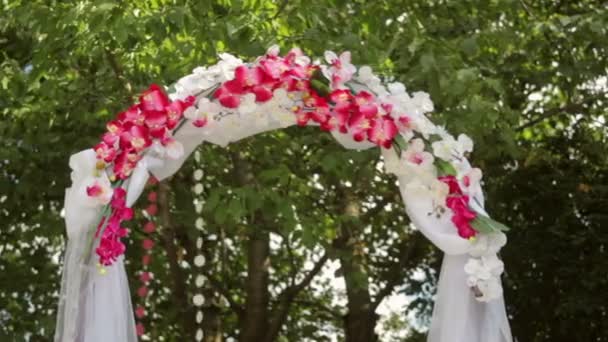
(229, 98)
(147, 244)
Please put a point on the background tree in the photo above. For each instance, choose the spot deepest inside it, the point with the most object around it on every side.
(527, 80)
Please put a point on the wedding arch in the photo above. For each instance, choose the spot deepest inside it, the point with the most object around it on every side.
(233, 100)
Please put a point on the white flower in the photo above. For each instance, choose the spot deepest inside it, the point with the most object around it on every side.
(449, 149)
(97, 191)
(472, 179)
(422, 101)
(198, 300)
(489, 290)
(397, 89)
(488, 244)
(248, 104)
(483, 268)
(424, 126)
(439, 192)
(203, 112)
(340, 69)
(415, 156)
(198, 174)
(274, 50)
(199, 260)
(483, 275)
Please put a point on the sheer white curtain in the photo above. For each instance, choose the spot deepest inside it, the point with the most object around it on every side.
(457, 315)
(93, 307)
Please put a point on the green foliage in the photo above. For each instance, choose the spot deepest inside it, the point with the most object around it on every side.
(522, 78)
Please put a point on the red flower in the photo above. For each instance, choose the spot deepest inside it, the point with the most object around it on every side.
(140, 313)
(152, 209)
(145, 277)
(152, 196)
(105, 152)
(139, 328)
(145, 260)
(153, 99)
(382, 131)
(149, 227)
(465, 230)
(135, 137)
(142, 291)
(147, 244)
(452, 183)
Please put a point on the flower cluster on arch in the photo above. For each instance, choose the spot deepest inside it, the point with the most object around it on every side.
(350, 102)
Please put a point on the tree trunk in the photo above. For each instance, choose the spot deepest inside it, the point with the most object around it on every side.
(179, 292)
(255, 322)
(360, 321)
(256, 318)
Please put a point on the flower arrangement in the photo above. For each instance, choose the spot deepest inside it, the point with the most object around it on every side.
(352, 104)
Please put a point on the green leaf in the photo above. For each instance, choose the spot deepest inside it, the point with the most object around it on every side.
(485, 224)
(445, 168)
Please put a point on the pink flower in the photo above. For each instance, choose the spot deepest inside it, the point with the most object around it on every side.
(105, 152)
(152, 196)
(145, 277)
(465, 230)
(359, 125)
(142, 291)
(132, 115)
(341, 69)
(152, 209)
(153, 99)
(382, 131)
(140, 313)
(452, 183)
(135, 137)
(147, 244)
(146, 259)
(139, 328)
(149, 227)
(175, 111)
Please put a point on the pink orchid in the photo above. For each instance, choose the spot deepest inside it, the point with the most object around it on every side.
(133, 115)
(452, 183)
(135, 137)
(383, 131)
(153, 99)
(341, 69)
(359, 126)
(105, 152)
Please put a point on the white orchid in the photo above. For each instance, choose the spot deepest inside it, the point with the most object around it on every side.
(488, 244)
(424, 126)
(422, 101)
(488, 289)
(340, 69)
(204, 112)
(416, 156)
(483, 274)
(449, 149)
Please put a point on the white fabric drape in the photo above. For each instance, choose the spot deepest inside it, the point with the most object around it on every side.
(96, 307)
(457, 315)
(93, 307)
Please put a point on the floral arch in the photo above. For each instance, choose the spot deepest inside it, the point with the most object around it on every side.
(233, 100)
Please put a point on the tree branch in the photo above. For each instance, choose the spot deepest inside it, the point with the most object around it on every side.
(286, 299)
(395, 277)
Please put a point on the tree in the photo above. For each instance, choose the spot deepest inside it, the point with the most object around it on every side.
(525, 79)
